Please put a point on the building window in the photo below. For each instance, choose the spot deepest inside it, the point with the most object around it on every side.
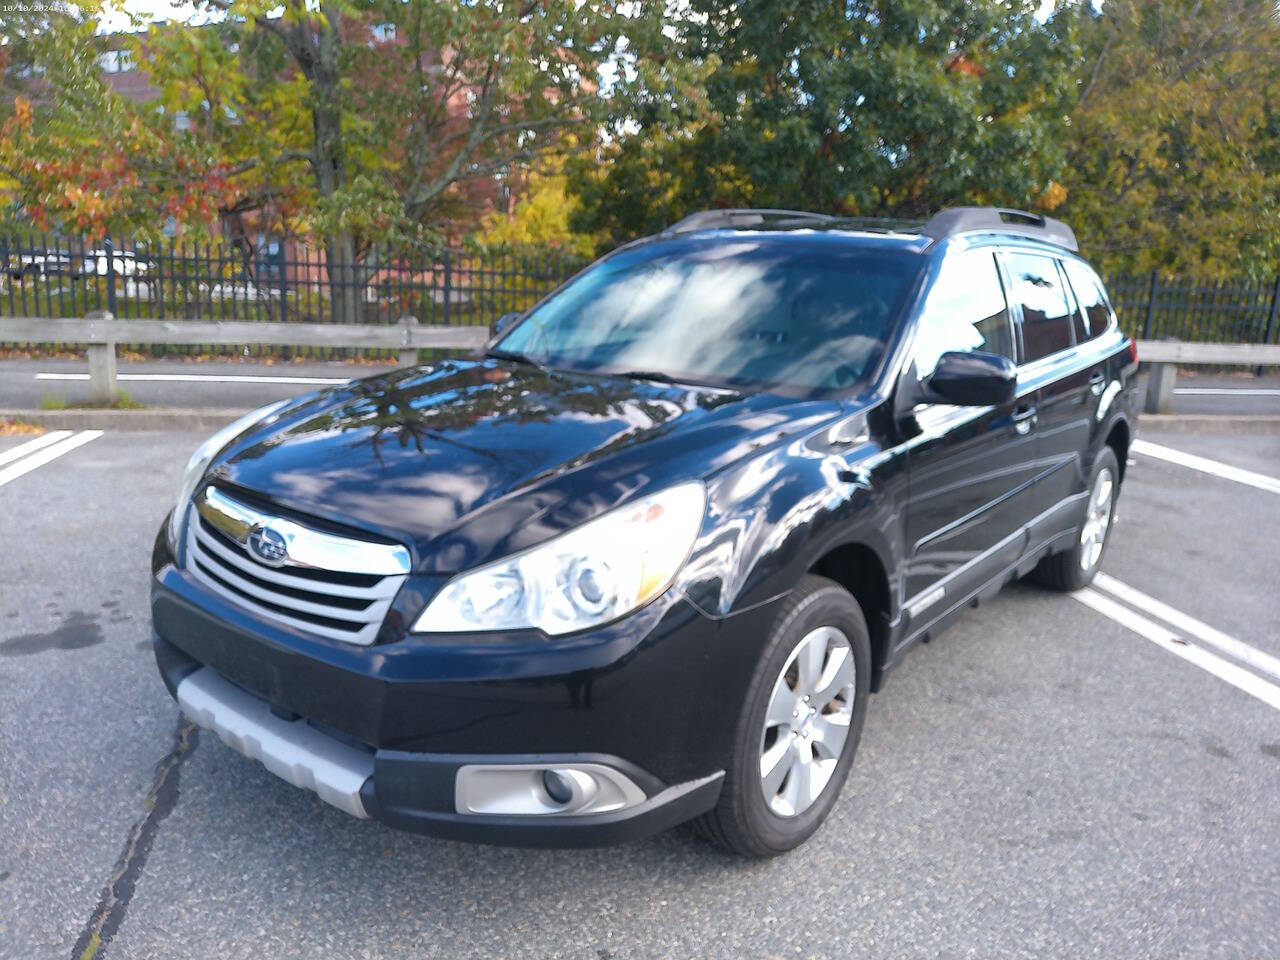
(116, 61)
(382, 32)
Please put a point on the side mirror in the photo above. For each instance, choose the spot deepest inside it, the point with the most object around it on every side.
(973, 379)
(502, 323)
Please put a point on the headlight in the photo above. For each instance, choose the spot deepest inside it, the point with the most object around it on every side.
(201, 459)
(593, 574)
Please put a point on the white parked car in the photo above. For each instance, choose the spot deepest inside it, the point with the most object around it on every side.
(125, 263)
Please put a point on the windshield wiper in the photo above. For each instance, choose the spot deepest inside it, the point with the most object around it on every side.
(514, 357)
(655, 375)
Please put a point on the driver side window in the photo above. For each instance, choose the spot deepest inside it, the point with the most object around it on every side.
(965, 310)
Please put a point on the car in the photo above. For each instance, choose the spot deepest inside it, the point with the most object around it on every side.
(124, 263)
(45, 262)
(645, 559)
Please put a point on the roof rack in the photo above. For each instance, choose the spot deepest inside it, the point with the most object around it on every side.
(948, 223)
(945, 223)
(728, 219)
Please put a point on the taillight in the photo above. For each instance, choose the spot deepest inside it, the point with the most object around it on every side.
(1133, 350)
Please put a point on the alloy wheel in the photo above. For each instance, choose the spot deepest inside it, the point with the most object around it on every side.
(807, 723)
(1093, 535)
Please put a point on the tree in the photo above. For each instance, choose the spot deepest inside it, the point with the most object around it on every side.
(539, 217)
(357, 122)
(871, 109)
(1175, 141)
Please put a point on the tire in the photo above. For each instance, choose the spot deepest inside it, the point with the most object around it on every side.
(1075, 568)
(819, 615)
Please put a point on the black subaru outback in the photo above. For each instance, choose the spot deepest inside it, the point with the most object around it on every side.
(645, 560)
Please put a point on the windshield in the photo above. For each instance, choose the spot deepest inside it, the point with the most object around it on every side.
(802, 316)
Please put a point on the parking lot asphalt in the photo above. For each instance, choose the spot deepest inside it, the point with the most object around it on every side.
(29, 384)
(1040, 781)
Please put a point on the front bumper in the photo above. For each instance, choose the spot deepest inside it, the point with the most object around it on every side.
(653, 696)
(415, 791)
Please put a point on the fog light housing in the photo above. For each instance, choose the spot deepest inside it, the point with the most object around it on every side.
(543, 789)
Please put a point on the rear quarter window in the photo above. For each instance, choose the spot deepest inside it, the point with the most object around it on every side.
(1095, 311)
(1046, 310)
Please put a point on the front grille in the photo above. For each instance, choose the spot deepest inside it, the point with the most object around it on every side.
(337, 604)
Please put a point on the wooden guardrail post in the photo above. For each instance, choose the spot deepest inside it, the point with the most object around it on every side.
(408, 352)
(103, 386)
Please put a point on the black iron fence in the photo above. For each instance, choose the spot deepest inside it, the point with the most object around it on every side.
(1159, 307)
(285, 281)
(47, 277)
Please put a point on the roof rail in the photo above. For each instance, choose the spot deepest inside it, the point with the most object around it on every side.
(948, 223)
(728, 219)
(945, 223)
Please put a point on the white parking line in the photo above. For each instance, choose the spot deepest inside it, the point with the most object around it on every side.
(1161, 636)
(49, 453)
(1205, 465)
(1189, 625)
(31, 446)
(1227, 391)
(202, 378)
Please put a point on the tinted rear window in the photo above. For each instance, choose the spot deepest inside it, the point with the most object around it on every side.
(1046, 311)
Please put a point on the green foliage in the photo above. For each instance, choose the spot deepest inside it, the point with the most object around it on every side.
(540, 219)
(873, 109)
(1175, 142)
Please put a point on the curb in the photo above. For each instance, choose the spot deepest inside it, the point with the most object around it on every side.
(158, 418)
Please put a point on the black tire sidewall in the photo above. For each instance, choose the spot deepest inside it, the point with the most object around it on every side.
(823, 604)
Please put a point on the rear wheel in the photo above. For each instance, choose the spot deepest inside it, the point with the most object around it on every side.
(800, 724)
(1076, 567)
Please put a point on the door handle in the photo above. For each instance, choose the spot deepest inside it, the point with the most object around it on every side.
(1024, 418)
(1097, 383)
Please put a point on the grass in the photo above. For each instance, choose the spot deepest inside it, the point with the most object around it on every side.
(121, 401)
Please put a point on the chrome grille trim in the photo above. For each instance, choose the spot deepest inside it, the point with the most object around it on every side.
(307, 547)
(278, 575)
(334, 610)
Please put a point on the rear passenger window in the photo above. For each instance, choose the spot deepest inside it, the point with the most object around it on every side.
(965, 310)
(1089, 294)
(1046, 313)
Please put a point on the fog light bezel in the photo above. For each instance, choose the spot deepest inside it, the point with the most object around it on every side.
(517, 789)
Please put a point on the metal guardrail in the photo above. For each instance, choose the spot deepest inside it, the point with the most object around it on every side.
(1164, 356)
(100, 331)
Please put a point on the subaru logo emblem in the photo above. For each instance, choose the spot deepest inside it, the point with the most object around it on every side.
(268, 546)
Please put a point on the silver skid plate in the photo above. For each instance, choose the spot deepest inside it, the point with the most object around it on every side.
(293, 751)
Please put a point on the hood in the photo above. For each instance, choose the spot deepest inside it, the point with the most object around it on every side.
(467, 461)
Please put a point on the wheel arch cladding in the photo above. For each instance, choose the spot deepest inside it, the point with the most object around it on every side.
(1118, 440)
(857, 568)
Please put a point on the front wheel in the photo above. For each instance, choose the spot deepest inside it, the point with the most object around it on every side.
(1076, 567)
(800, 724)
